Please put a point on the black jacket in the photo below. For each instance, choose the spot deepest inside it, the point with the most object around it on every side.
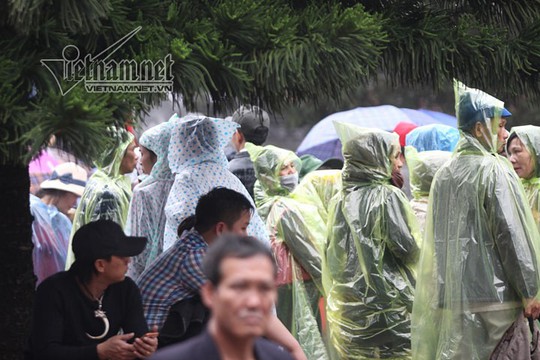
(242, 167)
(203, 347)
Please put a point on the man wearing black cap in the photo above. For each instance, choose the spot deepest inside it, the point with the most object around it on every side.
(78, 313)
(254, 124)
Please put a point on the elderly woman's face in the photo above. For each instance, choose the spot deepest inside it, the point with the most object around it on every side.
(521, 159)
(287, 169)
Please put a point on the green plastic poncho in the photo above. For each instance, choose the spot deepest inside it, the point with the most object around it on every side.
(479, 258)
(318, 188)
(296, 236)
(530, 137)
(373, 245)
(422, 168)
(107, 192)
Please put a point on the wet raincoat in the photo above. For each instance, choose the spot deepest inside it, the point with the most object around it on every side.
(50, 236)
(197, 159)
(422, 168)
(297, 235)
(479, 258)
(107, 192)
(318, 188)
(373, 246)
(146, 215)
(530, 137)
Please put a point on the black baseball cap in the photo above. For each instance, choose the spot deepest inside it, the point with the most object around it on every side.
(254, 122)
(104, 238)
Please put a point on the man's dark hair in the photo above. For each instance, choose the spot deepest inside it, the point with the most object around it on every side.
(220, 204)
(233, 246)
(84, 270)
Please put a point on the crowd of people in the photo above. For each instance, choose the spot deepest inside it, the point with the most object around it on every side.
(267, 255)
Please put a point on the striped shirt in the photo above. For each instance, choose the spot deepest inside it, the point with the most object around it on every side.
(174, 276)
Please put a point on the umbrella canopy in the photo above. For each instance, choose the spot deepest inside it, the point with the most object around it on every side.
(322, 140)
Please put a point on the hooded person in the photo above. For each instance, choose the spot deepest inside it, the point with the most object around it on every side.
(297, 236)
(523, 150)
(197, 160)
(479, 260)
(422, 168)
(433, 137)
(108, 191)
(146, 215)
(373, 246)
(318, 188)
(51, 226)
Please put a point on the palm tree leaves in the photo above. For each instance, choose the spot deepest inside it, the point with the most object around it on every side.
(271, 53)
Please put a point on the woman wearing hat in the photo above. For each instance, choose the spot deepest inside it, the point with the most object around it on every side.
(51, 227)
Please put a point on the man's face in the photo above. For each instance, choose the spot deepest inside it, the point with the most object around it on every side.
(113, 270)
(242, 302)
(502, 136)
(238, 228)
(129, 161)
(521, 158)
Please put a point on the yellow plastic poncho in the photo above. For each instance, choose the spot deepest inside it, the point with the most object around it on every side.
(296, 236)
(480, 253)
(107, 192)
(530, 137)
(318, 188)
(373, 246)
(422, 168)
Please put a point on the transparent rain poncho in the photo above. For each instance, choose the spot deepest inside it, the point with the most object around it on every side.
(479, 258)
(107, 192)
(197, 159)
(318, 188)
(50, 236)
(433, 137)
(422, 168)
(373, 246)
(297, 235)
(146, 215)
(530, 137)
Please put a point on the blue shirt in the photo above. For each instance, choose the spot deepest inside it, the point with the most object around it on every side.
(174, 276)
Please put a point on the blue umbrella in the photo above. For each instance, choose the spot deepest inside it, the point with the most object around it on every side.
(322, 140)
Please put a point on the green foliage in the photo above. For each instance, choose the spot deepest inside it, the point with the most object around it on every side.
(272, 53)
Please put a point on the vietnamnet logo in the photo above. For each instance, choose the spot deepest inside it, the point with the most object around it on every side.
(101, 74)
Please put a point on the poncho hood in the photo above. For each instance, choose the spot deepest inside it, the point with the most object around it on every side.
(530, 137)
(198, 138)
(422, 168)
(267, 162)
(157, 140)
(367, 153)
(110, 160)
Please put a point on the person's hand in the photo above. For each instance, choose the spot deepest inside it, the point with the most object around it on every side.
(146, 345)
(532, 308)
(298, 354)
(116, 348)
